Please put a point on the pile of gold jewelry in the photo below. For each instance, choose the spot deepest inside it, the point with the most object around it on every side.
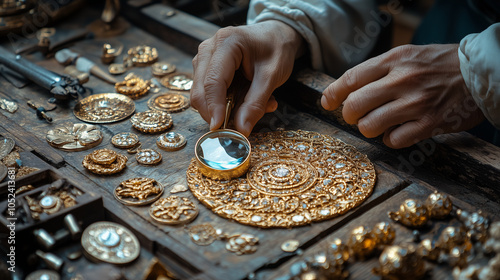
(295, 178)
(104, 162)
(133, 87)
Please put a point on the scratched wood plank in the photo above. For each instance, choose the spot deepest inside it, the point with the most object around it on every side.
(362, 269)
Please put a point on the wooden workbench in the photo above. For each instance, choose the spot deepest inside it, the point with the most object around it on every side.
(460, 165)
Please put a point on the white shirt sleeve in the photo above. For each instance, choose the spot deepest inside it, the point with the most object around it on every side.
(339, 34)
(479, 56)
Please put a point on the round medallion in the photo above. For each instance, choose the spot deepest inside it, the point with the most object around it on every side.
(203, 234)
(173, 210)
(168, 102)
(171, 141)
(116, 166)
(103, 156)
(295, 178)
(151, 121)
(117, 68)
(43, 274)
(50, 204)
(162, 68)
(125, 140)
(74, 137)
(104, 108)
(134, 87)
(178, 81)
(110, 242)
(148, 157)
(142, 55)
(138, 191)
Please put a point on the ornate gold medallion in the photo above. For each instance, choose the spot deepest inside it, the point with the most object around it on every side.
(138, 191)
(125, 140)
(171, 141)
(151, 121)
(295, 178)
(74, 137)
(168, 102)
(142, 55)
(133, 87)
(104, 108)
(162, 68)
(178, 81)
(50, 204)
(203, 234)
(110, 242)
(148, 157)
(173, 210)
(104, 162)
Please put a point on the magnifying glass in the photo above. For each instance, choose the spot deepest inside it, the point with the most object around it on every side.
(223, 154)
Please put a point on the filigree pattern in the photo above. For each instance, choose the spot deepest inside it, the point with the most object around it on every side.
(104, 108)
(74, 137)
(138, 191)
(173, 210)
(168, 102)
(295, 178)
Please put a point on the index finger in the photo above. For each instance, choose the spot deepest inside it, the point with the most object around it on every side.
(353, 79)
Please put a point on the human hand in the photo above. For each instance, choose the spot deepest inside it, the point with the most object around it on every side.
(264, 52)
(409, 93)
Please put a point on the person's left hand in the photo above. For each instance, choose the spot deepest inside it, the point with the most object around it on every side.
(409, 93)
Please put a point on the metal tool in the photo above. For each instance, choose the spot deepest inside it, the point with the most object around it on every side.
(40, 111)
(66, 56)
(62, 87)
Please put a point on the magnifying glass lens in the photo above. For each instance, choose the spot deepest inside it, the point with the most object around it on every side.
(222, 150)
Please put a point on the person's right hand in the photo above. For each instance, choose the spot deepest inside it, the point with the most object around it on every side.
(263, 52)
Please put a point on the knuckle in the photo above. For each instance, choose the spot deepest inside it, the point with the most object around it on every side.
(350, 78)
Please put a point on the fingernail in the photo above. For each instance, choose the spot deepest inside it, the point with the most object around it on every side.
(212, 123)
(324, 102)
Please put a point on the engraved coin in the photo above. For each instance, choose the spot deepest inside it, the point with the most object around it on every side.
(125, 140)
(138, 191)
(173, 210)
(162, 68)
(171, 141)
(203, 234)
(151, 121)
(103, 156)
(295, 178)
(104, 108)
(148, 157)
(74, 137)
(43, 274)
(168, 102)
(178, 81)
(110, 242)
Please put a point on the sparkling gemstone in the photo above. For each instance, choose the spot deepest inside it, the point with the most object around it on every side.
(282, 172)
(256, 219)
(109, 238)
(340, 165)
(298, 218)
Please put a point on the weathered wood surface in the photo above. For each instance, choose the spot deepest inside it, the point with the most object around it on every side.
(172, 244)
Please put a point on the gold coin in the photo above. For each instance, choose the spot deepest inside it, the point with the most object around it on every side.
(168, 102)
(173, 210)
(171, 141)
(138, 191)
(104, 108)
(178, 81)
(103, 156)
(289, 173)
(74, 137)
(125, 140)
(151, 121)
(162, 68)
(203, 234)
(110, 242)
(148, 157)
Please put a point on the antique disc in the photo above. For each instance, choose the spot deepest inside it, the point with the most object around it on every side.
(138, 191)
(3, 171)
(171, 141)
(104, 108)
(125, 140)
(162, 68)
(110, 242)
(103, 156)
(151, 121)
(178, 81)
(105, 169)
(148, 157)
(6, 146)
(43, 274)
(168, 102)
(173, 210)
(295, 178)
(202, 234)
(74, 137)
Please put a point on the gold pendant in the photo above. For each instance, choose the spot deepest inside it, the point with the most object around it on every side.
(171, 141)
(125, 140)
(295, 178)
(148, 157)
